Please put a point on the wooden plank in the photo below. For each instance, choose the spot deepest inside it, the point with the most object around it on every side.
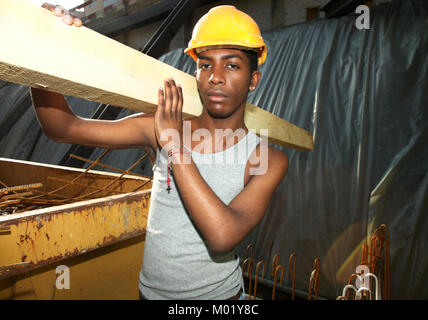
(280, 132)
(42, 51)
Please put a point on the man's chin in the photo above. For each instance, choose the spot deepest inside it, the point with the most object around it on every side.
(218, 114)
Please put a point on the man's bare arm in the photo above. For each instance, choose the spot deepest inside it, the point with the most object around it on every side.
(60, 124)
(225, 226)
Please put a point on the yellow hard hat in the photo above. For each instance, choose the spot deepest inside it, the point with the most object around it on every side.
(227, 26)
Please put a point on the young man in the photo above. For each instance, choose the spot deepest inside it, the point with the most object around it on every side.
(202, 204)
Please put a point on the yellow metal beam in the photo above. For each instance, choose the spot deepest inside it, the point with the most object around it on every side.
(42, 51)
(108, 273)
(40, 237)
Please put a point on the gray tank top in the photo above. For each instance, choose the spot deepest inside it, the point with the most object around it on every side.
(177, 263)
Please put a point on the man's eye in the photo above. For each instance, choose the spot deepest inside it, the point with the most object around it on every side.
(232, 66)
(204, 66)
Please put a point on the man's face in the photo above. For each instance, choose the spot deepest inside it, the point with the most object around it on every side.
(223, 79)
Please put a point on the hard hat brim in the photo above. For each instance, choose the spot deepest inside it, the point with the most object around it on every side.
(261, 51)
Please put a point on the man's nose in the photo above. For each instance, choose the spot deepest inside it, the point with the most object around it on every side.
(217, 76)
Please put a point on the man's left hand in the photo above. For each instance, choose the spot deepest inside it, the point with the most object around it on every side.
(168, 116)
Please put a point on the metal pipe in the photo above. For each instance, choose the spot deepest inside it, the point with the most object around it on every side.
(387, 275)
(250, 246)
(377, 295)
(113, 168)
(20, 188)
(300, 293)
(250, 266)
(313, 280)
(280, 267)
(248, 261)
(86, 186)
(292, 261)
(345, 290)
(275, 262)
(359, 295)
(81, 174)
(261, 262)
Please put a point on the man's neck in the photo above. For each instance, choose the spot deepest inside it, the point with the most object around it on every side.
(234, 122)
(224, 132)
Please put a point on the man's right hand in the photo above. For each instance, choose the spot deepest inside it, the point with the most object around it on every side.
(65, 14)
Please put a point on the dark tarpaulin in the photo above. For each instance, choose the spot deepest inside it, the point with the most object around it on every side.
(364, 95)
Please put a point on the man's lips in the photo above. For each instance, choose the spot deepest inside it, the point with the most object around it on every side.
(216, 96)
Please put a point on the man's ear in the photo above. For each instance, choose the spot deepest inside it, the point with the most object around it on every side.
(255, 80)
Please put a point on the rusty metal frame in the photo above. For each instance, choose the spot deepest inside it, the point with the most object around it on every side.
(35, 238)
(44, 236)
